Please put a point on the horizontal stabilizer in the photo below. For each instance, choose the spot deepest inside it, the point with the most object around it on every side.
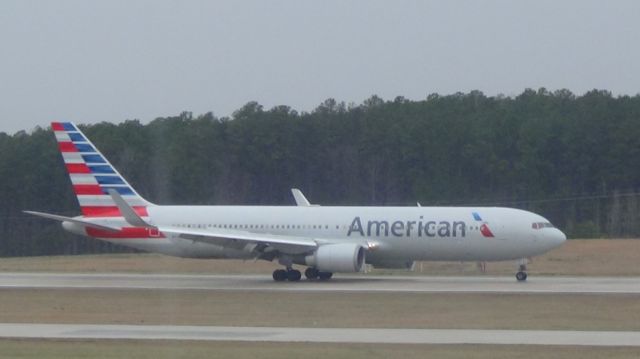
(73, 220)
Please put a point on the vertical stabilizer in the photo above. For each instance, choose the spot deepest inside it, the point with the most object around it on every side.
(92, 176)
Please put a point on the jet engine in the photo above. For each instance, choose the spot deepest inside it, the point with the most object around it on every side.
(337, 257)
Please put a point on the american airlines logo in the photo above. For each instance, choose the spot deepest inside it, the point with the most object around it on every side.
(484, 228)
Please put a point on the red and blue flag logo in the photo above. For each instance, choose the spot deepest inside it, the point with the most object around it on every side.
(484, 228)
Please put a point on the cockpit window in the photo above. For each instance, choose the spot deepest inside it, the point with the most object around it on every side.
(539, 225)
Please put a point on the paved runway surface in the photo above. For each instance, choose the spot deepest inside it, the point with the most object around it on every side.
(339, 283)
(332, 335)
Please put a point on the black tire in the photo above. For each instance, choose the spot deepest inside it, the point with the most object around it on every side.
(521, 276)
(325, 275)
(279, 275)
(293, 275)
(311, 273)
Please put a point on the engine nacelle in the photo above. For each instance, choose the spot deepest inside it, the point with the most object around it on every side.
(337, 257)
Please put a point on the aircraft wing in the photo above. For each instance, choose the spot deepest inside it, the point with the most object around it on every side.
(301, 200)
(240, 239)
(222, 237)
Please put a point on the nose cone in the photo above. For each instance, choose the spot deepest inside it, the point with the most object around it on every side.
(556, 238)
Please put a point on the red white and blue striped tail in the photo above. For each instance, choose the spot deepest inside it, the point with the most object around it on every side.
(93, 176)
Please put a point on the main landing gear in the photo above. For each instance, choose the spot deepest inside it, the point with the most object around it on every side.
(292, 275)
(313, 273)
(521, 276)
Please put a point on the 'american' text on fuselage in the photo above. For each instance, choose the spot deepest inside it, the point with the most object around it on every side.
(379, 228)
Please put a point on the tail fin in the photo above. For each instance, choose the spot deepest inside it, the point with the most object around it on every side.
(92, 176)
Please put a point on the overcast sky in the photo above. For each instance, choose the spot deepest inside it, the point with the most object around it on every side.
(91, 61)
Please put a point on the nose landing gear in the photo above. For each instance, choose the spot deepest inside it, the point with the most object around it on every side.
(521, 276)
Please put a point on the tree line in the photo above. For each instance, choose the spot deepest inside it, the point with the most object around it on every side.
(573, 159)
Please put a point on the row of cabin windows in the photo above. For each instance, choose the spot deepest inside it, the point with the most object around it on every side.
(293, 226)
(257, 226)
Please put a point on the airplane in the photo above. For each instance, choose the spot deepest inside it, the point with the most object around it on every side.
(325, 239)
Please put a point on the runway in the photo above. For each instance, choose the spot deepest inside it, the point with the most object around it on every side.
(352, 283)
(327, 335)
(341, 283)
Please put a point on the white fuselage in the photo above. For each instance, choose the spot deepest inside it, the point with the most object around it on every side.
(393, 235)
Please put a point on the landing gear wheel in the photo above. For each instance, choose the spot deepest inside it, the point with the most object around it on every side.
(311, 273)
(521, 276)
(325, 275)
(280, 275)
(293, 275)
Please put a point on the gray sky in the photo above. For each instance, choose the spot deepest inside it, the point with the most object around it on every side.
(91, 61)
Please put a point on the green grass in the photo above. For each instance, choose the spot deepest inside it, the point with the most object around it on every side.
(326, 309)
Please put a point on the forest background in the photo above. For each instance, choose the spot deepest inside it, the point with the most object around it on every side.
(573, 159)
